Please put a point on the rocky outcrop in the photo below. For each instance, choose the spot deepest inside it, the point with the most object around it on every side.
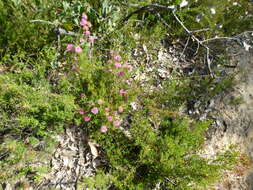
(233, 116)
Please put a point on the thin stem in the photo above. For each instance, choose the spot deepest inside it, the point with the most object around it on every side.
(188, 39)
(43, 21)
(218, 38)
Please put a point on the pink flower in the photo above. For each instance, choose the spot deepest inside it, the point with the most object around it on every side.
(84, 16)
(78, 49)
(110, 71)
(85, 28)
(82, 95)
(117, 123)
(110, 118)
(117, 58)
(107, 109)
(122, 92)
(81, 111)
(103, 129)
(86, 118)
(94, 110)
(120, 109)
(81, 40)
(91, 39)
(70, 47)
(83, 22)
(130, 68)
(118, 65)
(86, 33)
(100, 101)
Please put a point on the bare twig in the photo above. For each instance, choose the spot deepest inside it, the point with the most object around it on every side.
(62, 31)
(218, 38)
(180, 22)
(4, 154)
(59, 45)
(170, 181)
(43, 21)
(209, 62)
(185, 46)
(200, 30)
(151, 7)
(158, 8)
(200, 43)
(57, 29)
(196, 52)
(245, 32)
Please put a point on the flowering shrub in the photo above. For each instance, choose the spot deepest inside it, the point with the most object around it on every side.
(84, 83)
(104, 98)
(106, 101)
(136, 151)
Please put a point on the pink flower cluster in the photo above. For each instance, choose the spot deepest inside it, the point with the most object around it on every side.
(122, 92)
(94, 110)
(87, 118)
(86, 29)
(111, 116)
(103, 129)
(86, 25)
(115, 118)
(118, 65)
(72, 48)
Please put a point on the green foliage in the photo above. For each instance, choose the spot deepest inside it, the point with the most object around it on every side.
(167, 155)
(34, 110)
(29, 113)
(41, 86)
(18, 158)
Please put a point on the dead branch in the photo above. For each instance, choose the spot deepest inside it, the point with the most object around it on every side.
(151, 7)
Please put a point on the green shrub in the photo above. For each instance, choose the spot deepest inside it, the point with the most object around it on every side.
(29, 114)
(33, 110)
(167, 155)
(158, 146)
(44, 87)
